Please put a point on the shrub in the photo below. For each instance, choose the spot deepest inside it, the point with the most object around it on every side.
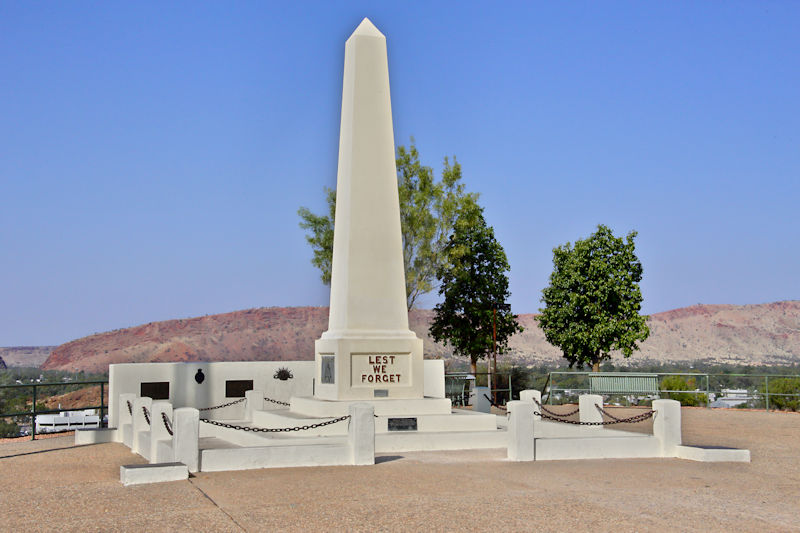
(784, 386)
(678, 383)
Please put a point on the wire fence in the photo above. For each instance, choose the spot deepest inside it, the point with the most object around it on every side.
(753, 391)
(22, 403)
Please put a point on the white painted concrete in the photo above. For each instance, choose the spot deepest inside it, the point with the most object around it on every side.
(632, 446)
(534, 397)
(96, 436)
(361, 434)
(139, 474)
(368, 340)
(588, 410)
(434, 378)
(520, 431)
(160, 439)
(124, 420)
(141, 429)
(314, 407)
(667, 425)
(185, 443)
(713, 454)
(255, 402)
(482, 402)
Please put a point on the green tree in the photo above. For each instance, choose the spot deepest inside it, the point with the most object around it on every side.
(593, 301)
(678, 383)
(780, 386)
(428, 211)
(474, 286)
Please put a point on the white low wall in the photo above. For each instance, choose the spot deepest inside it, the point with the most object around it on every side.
(185, 391)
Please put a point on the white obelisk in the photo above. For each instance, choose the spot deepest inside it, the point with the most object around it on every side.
(368, 351)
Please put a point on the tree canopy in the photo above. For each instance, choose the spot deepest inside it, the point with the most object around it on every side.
(428, 211)
(474, 286)
(593, 300)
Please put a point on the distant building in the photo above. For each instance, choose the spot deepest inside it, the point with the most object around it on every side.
(67, 420)
(732, 398)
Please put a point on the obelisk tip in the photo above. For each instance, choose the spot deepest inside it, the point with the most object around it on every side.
(367, 28)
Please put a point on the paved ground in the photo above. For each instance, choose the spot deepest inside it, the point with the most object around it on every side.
(50, 485)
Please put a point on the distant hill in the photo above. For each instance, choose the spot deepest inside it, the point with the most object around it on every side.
(25, 355)
(764, 334)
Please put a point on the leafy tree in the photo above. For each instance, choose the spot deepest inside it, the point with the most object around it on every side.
(8, 429)
(593, 301)
(474, 285)
(428, 211)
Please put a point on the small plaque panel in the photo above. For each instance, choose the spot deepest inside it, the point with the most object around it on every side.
(402, 424)
(380, 393)
(237, 388)
(157, 390)
(327, 370)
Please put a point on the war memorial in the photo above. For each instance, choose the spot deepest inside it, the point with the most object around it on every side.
(369, 390)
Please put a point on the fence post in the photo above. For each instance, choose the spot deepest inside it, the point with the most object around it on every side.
(531, 396)
(139, 423)
(102, 401)
(521, 445)
(361, 434)
(766, 391)
(254, 402)
(667, 425)
(33, 415)
(588, 411)
(185, 441)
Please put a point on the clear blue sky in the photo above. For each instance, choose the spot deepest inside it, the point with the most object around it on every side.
(153, 154)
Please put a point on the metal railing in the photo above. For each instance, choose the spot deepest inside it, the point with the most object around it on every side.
(751, 389)
(494, 391)
(34, 395)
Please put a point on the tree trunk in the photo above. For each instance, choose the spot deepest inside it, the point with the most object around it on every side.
(595, 366)
(473, 367)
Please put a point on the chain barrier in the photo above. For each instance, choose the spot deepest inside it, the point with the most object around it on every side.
(146, 415)
(167, 423)
(633, 419)
(614, 420)
(553, 413)
(240, 400)
(276, 401)
(494, 404)
(130, 408)
(275, 430)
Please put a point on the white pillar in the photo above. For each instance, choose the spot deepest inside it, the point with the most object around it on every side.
(667, 425)
(254, 402)
(368, 350)
(532, 396)
(483, 402)
(588, 411)
(140, 425)
(361, 434)
(520, 431)
(159, 433)
(125, 419)
(185, 444)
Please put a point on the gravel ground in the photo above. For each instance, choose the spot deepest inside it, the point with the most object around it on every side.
(51, 485)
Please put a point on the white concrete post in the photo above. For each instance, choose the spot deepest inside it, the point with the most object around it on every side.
(361, 434)
(125, 419)
(534, 397)
(185, 443)
(255, 402)
(140, 424)
(481, 403)
(520, 431)
(159, 433)
(589, 413)
(667, 426)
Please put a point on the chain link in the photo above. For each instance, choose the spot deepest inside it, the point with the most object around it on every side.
(553, 413)
(146, 414)
(276, 401)
(167, 423)
(275, 430)
(549, 415)
(240, 400)
(498, 406)
(130, 407)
